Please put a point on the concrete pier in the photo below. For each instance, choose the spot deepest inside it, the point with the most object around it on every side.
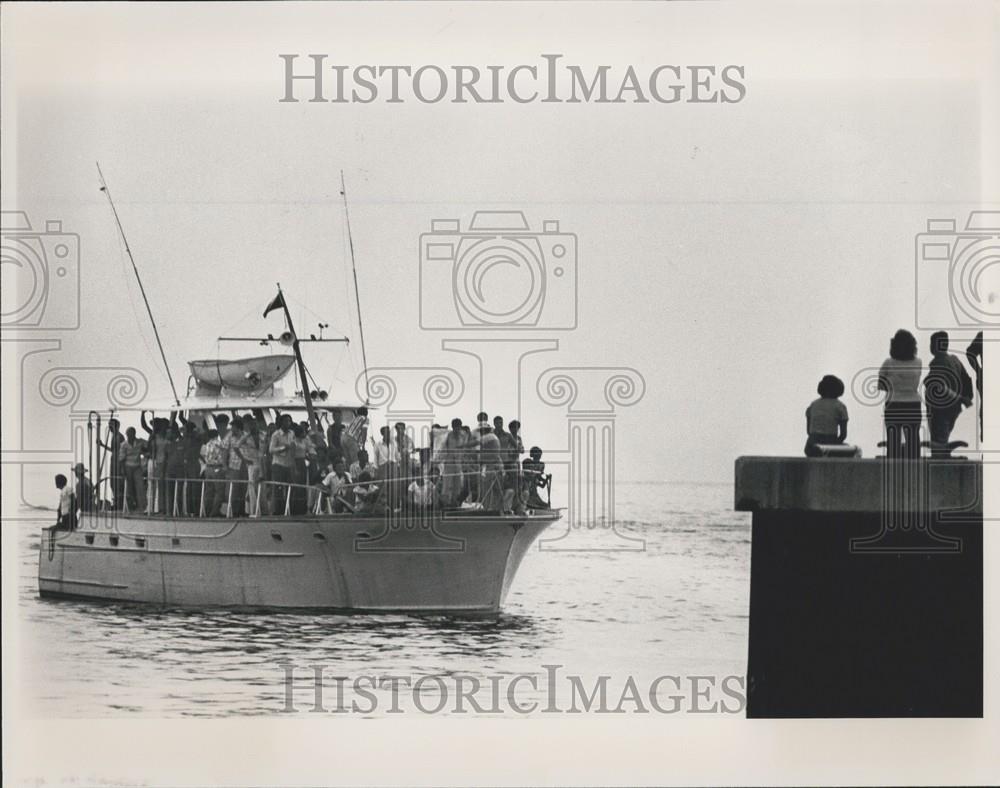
(866, 587)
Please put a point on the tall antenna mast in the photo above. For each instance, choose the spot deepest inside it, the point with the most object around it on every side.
(357, 296)
(149, 311)
(313, 421)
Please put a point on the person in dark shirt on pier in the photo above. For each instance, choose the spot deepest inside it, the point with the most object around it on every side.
(947, 389)
(974, 355)
(826, 417)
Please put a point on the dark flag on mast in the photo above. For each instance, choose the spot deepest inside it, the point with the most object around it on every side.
(277, 303)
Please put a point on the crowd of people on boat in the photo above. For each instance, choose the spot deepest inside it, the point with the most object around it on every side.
(238, 464)
(947, 391)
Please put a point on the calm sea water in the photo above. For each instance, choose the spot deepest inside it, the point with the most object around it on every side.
(677, 607)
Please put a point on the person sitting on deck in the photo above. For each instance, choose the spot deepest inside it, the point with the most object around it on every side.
(421, 493)
(366, 489)
(66, 513)
(826, 417)
(339, 486)
(361, 464)
(534, 479)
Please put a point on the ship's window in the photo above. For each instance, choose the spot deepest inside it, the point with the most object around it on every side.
(88, 538)
(140, 542)
(319, 536)
(175, 541)
(276, 536)
(113, 540)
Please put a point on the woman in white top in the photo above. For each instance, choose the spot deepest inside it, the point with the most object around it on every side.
(899, 377)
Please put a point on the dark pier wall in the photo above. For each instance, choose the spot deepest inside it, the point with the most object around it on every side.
(866, 587)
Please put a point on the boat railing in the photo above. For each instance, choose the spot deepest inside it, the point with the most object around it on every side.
(167, 496)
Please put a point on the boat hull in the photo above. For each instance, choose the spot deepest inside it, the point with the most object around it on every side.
(463, 564)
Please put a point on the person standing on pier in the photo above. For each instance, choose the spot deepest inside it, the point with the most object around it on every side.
(899, 377)
(974, 354)
(947, 389)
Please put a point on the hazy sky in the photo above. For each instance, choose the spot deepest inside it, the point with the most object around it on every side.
(731, 253)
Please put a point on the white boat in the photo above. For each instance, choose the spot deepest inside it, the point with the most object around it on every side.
(451, 563)
(436, 560)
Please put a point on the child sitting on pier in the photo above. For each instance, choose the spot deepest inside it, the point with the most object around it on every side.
(826, 420)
